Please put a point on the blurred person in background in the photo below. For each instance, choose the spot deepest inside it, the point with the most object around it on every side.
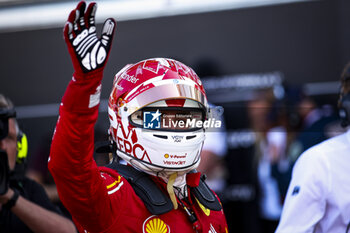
(24, 205)
(318, 197)
(37, 168)
(270, 147)
(38, 171)
(159, 190)
(316, 125)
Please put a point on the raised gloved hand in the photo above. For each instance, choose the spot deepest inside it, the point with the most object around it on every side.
(88, 52)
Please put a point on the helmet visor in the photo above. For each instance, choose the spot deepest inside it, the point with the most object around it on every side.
(168, 118)
(162, 90)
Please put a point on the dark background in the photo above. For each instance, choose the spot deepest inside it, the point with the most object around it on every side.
(307, 41)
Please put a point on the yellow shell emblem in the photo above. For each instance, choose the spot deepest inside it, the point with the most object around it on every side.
(155, 225)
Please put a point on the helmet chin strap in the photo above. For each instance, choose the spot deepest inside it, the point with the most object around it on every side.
(170, 189)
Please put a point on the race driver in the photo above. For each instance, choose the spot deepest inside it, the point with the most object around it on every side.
(159, 190)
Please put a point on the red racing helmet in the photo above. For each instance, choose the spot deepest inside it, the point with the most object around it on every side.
(147, 100)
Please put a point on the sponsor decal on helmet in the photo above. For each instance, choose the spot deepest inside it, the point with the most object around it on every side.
(128, 144)
(177, 138)
(173, 159)
(154, 224)
(130, 78)
(138, 90)
(176, 156)
(166, 162)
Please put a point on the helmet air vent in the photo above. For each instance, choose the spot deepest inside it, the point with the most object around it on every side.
(160, 136)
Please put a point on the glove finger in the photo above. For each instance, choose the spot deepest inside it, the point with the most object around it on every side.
(108, 32)
(68, 27)
(71, 16)
(81, 21)
(68, 31)
(90, 15)
(75, 22)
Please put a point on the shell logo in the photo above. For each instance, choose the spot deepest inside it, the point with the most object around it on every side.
(154, 224)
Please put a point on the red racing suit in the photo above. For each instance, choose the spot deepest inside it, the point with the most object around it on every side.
(99, 199)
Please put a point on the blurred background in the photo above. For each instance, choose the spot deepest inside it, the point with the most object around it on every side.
(274, 65)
